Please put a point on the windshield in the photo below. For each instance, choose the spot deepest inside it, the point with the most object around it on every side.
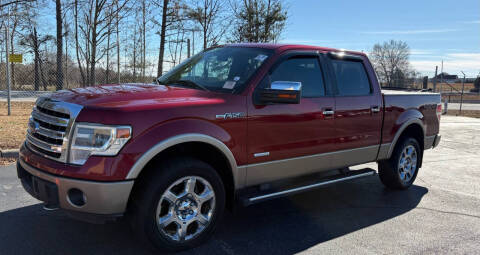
(224, 69)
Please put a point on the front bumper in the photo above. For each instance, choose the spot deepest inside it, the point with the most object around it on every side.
(101, 198)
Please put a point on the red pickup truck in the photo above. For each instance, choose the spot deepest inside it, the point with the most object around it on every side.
(232, 125)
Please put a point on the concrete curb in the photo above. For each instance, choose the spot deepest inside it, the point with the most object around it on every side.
(9, 154)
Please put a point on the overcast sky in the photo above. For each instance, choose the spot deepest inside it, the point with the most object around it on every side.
(434, 30)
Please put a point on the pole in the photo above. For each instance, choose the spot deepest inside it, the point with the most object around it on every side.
(461, 96)
(7, 39)
(441, 78)
(478, 76)
(188, 48)
(193, 42)
(435, 80)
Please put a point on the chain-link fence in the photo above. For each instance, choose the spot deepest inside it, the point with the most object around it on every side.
(37, 75)
(457, 92)
(32, 78)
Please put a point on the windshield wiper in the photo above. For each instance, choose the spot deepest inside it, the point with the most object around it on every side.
(188, 83)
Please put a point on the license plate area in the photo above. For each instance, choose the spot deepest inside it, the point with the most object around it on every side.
(40, 189)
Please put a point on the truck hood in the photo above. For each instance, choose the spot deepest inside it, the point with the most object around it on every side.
(135, 95)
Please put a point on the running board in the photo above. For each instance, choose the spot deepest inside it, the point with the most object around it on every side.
(323, 182)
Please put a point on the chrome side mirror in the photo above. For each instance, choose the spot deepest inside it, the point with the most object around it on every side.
(282, 92)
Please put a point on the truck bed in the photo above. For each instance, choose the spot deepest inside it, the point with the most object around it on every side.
(398, 104)
(392, 92)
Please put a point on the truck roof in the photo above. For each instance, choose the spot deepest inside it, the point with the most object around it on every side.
(282, 47)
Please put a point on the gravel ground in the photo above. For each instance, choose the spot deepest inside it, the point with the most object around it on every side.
(438, 215)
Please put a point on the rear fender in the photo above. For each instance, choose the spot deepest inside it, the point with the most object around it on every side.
(406, 119)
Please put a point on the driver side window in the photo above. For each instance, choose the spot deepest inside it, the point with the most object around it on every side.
(302, 69)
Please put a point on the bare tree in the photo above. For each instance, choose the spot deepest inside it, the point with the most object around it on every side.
(33, 42)
(163, 29)
(15, 16)
(66, 37)
(109, 45)
(144, 41)
(391, 61)
(92, 25)
(3, 5)
(171, 15)
(117, 25)
(175, 45)
(212, 18)
(59, 18)
(78, 49)
(258, 20)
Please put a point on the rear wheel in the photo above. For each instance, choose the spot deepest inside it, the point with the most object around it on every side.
(179, 206)
(400, 171)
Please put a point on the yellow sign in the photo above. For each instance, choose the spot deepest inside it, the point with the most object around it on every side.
(15, 58)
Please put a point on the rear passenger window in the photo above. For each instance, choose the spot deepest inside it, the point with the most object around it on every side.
(352, 80)
(304, 70)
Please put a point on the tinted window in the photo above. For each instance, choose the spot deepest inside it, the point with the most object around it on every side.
(224, 69)
(305, 70)
(352, 80)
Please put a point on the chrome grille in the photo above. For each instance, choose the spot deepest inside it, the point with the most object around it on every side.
(49, 128)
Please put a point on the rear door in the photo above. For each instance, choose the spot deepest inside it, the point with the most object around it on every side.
(358, 118)
(283, 137)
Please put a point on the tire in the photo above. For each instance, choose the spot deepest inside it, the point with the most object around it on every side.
(396, 174)
(184, 221)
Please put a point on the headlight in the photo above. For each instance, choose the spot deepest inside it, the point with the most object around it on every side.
(95, 139)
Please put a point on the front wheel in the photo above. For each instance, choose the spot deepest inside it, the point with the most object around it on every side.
(400, 171)
(179, 206)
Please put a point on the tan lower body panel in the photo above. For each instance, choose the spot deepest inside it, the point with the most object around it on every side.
(287, 168)
(383, 151)
(101, 197)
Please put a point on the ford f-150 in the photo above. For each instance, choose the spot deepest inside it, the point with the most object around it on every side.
(233, 125)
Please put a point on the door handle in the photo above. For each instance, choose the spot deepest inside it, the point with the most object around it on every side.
(328, 112)
(375, 109)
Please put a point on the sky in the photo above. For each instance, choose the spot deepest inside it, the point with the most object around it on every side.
(434, 30)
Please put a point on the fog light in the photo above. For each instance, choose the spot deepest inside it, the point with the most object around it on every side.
(76, 197)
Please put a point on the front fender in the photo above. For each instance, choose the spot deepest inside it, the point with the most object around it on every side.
(165, 135)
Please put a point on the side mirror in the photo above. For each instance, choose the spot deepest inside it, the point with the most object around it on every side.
(282, 92)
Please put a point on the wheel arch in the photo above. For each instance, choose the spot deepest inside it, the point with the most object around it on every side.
(199, 146)
(412, 128)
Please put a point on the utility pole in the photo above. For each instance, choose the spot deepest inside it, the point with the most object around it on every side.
(7, 39)
(441, 78)
(193, 42)
(435, 80)
(188, 48)
(461, 96)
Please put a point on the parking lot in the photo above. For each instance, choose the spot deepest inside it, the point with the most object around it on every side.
(440, 214)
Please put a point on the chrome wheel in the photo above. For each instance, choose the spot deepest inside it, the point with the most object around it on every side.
(407, 164)
(185, 209)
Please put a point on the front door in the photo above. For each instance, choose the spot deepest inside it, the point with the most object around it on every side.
(283, 139)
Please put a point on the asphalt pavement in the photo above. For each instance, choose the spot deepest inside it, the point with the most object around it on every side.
(439, 214)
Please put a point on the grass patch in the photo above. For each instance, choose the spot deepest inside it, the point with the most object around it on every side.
(13, 128)
(7, 161)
